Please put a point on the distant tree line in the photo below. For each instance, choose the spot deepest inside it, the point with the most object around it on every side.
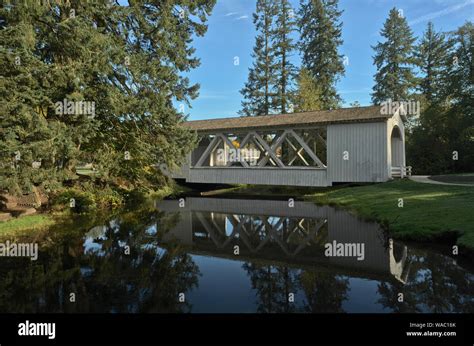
(435, 70)
(275, 84)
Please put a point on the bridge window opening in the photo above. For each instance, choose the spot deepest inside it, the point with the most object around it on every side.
(396, 147)
(270, 234)
(289, 148)
(396, 152)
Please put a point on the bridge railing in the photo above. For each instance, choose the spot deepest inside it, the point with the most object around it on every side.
(401, 171)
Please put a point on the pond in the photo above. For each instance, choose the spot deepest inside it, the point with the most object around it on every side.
(229, 255)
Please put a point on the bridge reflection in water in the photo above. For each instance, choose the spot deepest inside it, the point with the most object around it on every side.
(141, 260)
(272, 230)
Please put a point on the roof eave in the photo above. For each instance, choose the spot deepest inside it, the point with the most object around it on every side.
(279, 127)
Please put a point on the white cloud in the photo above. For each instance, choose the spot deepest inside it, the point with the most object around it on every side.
(206, 94)
(242, 17)
(441, 13)
(230, 14)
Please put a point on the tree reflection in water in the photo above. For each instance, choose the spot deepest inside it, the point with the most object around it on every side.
(436, 284)
(93, 262)
(96, 268)
(322, 291)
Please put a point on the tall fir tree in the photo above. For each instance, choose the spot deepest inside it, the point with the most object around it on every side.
(269, 88)
(432, 58)
(285, 47)
(394, 58)
(258, 93)
(321, 35)
(460, 74)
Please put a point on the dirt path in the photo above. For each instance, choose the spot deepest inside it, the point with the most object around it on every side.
(424, 179)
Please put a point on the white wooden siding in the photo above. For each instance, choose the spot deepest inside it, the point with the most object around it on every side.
(245, 206)
(366, 144)
(346, 228)
(262, 176)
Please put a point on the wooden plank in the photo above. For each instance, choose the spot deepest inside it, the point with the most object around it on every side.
(208, 229)
(307, 148)
(322, 139)
(262, 149)
(288, 176)
(231, 145)
(208, 150)
(244, 141)
(270, 150)
(310, 236)
(298, 154)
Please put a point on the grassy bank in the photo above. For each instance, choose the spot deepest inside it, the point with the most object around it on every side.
(47, 219)
(31, 222)
(429, 212)
(433, 213)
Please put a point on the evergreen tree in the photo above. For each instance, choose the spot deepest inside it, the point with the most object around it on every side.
(460, 85)
(258, 93)
(127, 60)
(446, 126)
(460, 74)
(284, 49)
(321, 35)
(431, 54)
(28, 136)
(324, 292)
(272, 285)
(308, 95)
(393, 59)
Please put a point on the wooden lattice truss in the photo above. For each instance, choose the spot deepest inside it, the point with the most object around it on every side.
(280, 149)
(256, 232)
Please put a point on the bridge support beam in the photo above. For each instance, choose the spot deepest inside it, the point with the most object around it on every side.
(279, 149)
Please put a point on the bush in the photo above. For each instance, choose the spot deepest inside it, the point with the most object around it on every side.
(136, 197)
(108, 198)
(78, 201)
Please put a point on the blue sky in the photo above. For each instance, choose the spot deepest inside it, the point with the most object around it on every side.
(231, 34)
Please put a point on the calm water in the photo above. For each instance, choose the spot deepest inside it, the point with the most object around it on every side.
(229, 255)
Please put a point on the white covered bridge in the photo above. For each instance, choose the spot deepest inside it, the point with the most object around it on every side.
(316, 148)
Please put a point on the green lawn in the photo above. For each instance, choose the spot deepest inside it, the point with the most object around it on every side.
(31, 222)
(430, 212)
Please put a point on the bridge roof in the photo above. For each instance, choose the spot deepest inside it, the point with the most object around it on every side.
(341, 115)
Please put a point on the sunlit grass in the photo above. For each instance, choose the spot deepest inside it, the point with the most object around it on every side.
(30, 222)
(429, 211)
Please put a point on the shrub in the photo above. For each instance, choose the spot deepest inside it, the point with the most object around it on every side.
(78, 201)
